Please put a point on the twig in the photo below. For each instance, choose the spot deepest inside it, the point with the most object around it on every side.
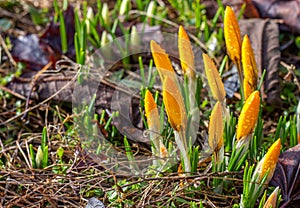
(33, 83)
(22, 152)
(291, 68)
(43, 102)
(12, 92)
(2, 42)
(178, 178)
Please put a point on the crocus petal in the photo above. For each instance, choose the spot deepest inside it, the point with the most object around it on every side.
(268, 163)
(215, 131)
(272, 200)
(232, 35)
(214, 79)
(162, 61)
(174, 104)
(186, 54)
(249, 115)
(151, 112)
(249, 66)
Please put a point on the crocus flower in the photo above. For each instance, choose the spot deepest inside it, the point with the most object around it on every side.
(268, 163)
(215, 131)
(186, 54)
(249, 116)
(272, 200)
(214, 79)
(232, 35)
(249, 66)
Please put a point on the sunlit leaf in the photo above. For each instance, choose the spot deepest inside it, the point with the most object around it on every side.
(249, 115)
(214, 79)
(186, 54)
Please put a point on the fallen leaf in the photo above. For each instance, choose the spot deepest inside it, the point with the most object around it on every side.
(26, 49)
(285, 10)
(287, 177)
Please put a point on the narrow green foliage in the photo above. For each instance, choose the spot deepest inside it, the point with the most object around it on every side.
(56, 10)
(128, 150)
(45, 157)
(261, 79)
(44, 148)
(216, 17)
(32, 156)
(151, 75)
(237, 158)
(198, 14)
(223, 64)
(140, 5)
(221, 6)
(63, 33)
(229, 132)
(242, 10)
(142, 70)
(44, 138)
(194, 157)
(263, 200)
(257, 140)
(252, 189)
(293, 131)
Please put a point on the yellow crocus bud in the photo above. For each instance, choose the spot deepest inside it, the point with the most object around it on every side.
(249, 115)
(186, 54)
(215, 131)
(272, 200)
(151, 112)
(249, 66)
(174, 104)
(214, 79)
(162, 61)
(232, 35)
(268, 163)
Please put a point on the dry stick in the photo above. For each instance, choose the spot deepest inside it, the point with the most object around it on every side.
(15, 200)
(178, 178)
(2, 42)
(28, 154)
(22, 152)
(291, 68)
(43, 102)
(33, 83)
(5, 89)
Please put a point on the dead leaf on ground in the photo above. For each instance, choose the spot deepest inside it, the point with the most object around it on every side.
(287, 177)
(288, 11)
